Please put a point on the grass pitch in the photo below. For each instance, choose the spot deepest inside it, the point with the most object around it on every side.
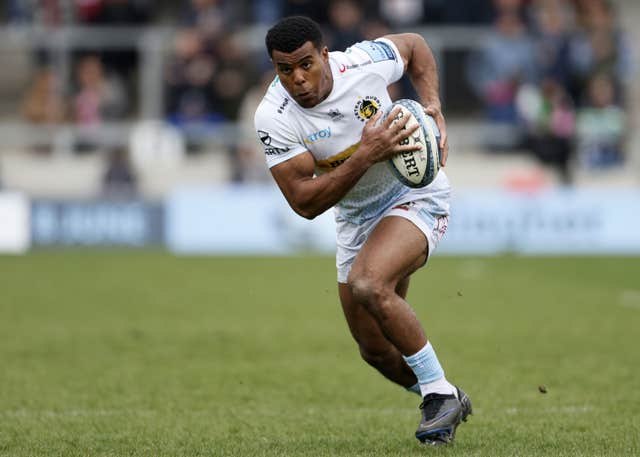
(139, 353)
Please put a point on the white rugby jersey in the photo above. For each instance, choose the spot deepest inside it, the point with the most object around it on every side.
(332, 129)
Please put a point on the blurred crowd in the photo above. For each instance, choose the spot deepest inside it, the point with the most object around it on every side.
(551, 77)
(555, 73)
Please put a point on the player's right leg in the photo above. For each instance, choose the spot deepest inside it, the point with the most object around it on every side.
(395, 248)
(375, 260)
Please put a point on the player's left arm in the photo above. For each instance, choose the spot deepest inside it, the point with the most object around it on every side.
(421, 66)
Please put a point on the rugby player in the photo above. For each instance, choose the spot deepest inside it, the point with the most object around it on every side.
(326, 146)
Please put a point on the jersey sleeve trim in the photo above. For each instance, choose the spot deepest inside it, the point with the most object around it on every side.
(399, 67)
(272, 162)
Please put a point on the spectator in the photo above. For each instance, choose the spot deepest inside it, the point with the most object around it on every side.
(444, 12)
(119, 179)
(122, 62)
(345, 24)
(17, 12)
(233, 77)
(375, 28)
(113, 12)
(45, 14)
(125, 12)
(516, 7)
(601, 125)
(190, 95)
(99, 98)
(497, 71)
(599, 46)
(189, 73)
(463, 11)
(402, 13)
(43, 102)
(552, 22)
(248, 160)
(550, 121)
(88, 11)
(212, 18)
(315, 9)
(266, 12)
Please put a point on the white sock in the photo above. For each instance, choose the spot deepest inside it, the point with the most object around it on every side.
(439, 386)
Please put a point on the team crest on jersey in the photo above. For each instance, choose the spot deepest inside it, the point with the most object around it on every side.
(367, 107)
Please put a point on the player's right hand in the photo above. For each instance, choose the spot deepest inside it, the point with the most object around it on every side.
(381, 140)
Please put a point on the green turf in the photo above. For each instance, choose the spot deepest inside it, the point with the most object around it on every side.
(117, 354)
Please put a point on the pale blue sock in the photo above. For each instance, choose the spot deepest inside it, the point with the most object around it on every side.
(425, 365)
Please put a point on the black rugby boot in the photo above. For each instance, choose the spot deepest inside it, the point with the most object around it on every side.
(441, 415)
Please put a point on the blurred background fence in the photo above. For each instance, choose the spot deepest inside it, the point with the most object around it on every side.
(129, 122)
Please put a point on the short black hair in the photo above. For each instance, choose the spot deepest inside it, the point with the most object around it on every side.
(292, 32)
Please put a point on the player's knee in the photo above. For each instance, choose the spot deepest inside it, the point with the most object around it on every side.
(372, 293)
(363, 287)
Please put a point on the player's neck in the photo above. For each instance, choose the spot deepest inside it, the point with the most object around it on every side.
(329, 89)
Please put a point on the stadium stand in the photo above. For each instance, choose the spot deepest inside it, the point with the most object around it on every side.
(171, 87)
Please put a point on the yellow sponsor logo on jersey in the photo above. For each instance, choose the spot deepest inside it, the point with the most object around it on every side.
(333, 161)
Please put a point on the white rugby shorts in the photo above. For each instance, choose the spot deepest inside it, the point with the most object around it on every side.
(430, 215)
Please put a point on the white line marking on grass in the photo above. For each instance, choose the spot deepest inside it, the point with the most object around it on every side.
(630, 299)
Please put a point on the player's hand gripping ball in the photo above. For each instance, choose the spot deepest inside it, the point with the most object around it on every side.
(416, 168)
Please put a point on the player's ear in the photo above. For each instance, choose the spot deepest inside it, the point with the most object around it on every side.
(325, 53)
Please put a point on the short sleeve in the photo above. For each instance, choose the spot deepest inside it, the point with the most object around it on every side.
(382, 57)
(279, 142)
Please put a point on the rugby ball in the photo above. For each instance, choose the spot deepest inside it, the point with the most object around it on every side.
(416, 168)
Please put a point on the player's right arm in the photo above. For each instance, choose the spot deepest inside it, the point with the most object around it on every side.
(310, 195)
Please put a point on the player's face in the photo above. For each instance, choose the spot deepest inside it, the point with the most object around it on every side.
(305, 73)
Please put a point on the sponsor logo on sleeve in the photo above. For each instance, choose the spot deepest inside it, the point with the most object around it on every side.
(379, 51)
(265, 139)
(283, 105)
(275, 151)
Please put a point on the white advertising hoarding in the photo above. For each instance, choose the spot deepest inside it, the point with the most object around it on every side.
(14, 223)
(243, 220)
